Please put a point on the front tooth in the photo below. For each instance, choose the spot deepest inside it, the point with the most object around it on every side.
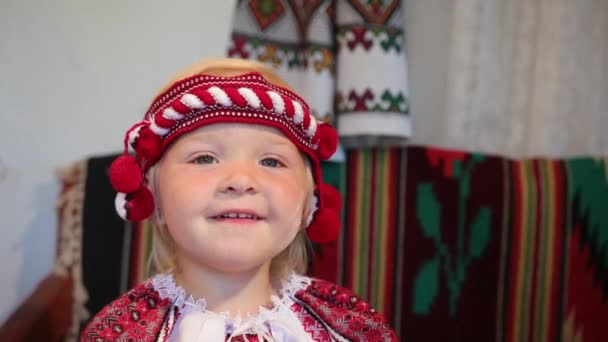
(244, 216)
(232, 215)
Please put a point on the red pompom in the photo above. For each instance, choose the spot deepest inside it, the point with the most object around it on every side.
(125, 174)
(148, 144)
(330, 197)
(328, 141)
(140, 204)
(324, 227)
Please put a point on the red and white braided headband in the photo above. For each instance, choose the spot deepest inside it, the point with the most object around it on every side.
(204, 99)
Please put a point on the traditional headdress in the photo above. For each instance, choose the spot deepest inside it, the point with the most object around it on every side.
(200, 100)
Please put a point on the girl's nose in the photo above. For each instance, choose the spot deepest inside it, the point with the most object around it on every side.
(240, 179)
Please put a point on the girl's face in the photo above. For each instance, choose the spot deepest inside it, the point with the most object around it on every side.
(232, 195)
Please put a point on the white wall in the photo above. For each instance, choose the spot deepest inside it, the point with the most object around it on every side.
(75, 74)
(428, 35)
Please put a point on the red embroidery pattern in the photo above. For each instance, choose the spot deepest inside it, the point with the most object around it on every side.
(313, 327)
(360, 100)
(238, 50)
(304, 11)
(437, 157)
(348, 314)
(374, 11)
(138, 315)
(266, 12)
(359, 39)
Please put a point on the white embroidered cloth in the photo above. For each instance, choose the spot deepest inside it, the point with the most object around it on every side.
(197, 324)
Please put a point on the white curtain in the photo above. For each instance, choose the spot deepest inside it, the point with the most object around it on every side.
(526, 78)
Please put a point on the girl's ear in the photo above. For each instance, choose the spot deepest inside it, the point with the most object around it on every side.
(308, 208)
(310, 201)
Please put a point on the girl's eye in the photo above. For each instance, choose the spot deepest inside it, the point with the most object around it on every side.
(204, 159)
(270, 162)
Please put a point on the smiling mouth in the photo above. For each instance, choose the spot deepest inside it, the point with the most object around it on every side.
(236, 217)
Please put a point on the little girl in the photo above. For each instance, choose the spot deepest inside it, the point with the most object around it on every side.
(227, 163)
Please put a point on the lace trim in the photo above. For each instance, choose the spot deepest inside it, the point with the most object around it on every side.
(166, 287)
(258, 324)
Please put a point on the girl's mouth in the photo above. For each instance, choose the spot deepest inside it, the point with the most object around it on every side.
(237, 217)
(242, 216)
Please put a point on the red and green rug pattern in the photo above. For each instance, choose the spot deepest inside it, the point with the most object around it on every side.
(459, 246)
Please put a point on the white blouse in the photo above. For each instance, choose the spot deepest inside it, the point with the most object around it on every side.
(196, 324)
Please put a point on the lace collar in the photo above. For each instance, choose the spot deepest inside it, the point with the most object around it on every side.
(277, 321)
(166, 287)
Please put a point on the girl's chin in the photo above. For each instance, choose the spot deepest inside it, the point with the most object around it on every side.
(237, 258)
(231, 266)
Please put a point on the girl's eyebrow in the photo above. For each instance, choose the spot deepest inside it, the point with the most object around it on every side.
(217, 140)
(197, 143)
(279, 146)
(192, 146)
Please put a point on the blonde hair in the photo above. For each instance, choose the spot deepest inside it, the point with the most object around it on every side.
(294, 258)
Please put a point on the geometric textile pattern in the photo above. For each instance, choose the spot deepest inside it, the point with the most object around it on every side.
(304, 11)
(585, 302)
(452, 245)
(299, 47)
(372, 93)
(534, 267)
(556, 272)
(371, 232)
(148, 312)
(375, 12)
(487, 248)
(588, 194)
(346, 58)
(266, 12)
